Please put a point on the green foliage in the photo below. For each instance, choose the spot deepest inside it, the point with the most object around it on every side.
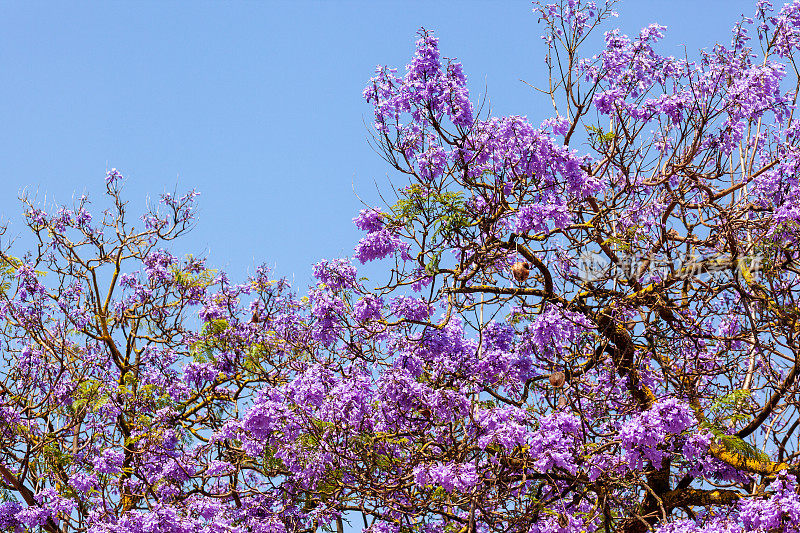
(620, 245)
(728, 407)
(445, 210)
(88, 394)
(728, 410)
(202, 351)
(54, 457)
(597, 134)
(734, 444)
(203, 279)
(5, 496)
(270, 462)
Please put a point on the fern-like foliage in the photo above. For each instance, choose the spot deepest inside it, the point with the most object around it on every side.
(728, 411)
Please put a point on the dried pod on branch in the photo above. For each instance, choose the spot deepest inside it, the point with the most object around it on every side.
(521, 271)
(557, 379)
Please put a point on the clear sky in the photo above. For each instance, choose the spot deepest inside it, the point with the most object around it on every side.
(255, 104)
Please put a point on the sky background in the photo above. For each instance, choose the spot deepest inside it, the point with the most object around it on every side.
(257, 105)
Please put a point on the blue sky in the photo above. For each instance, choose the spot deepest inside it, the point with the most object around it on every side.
(257, 105)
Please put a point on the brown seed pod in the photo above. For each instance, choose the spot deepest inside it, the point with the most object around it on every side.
(521, 271)
(562, 402)
(255, 319)
(557, 379)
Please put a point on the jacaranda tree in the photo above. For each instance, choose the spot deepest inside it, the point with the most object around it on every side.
(585, 325)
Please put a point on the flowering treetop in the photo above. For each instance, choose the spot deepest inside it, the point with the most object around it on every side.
(587, 324)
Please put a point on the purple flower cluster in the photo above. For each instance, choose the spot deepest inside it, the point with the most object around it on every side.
(378, 245)
(553, 403)
(327, 309)
(779, 512)
(557, 328)
(644, 437)
(428, 90)
(451, 477)
(109, 461)
(369, 220)
(368, 308)
(534, 217)
(198, 374)
(336, 274)
(410, 308)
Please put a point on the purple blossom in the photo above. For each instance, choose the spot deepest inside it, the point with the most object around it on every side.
(429, 87)
(557, 328)
(327, 308)
(269, 416)
(369, 220)
(157, 265)
(451, 477)
(198, 374)
(336, 274)
(83, 482)
(368, 308)
(109, 461)
(779, 512)
(498, 336)
(8, 515)
(410, 308)
(534, 217)
(643, 435)
(113, 176)
(556, 442)
(378, 245)
(508, 427)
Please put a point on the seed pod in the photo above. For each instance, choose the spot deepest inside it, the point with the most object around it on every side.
(521, 271)
(562, 402)
(557, 379)
(255, 319)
